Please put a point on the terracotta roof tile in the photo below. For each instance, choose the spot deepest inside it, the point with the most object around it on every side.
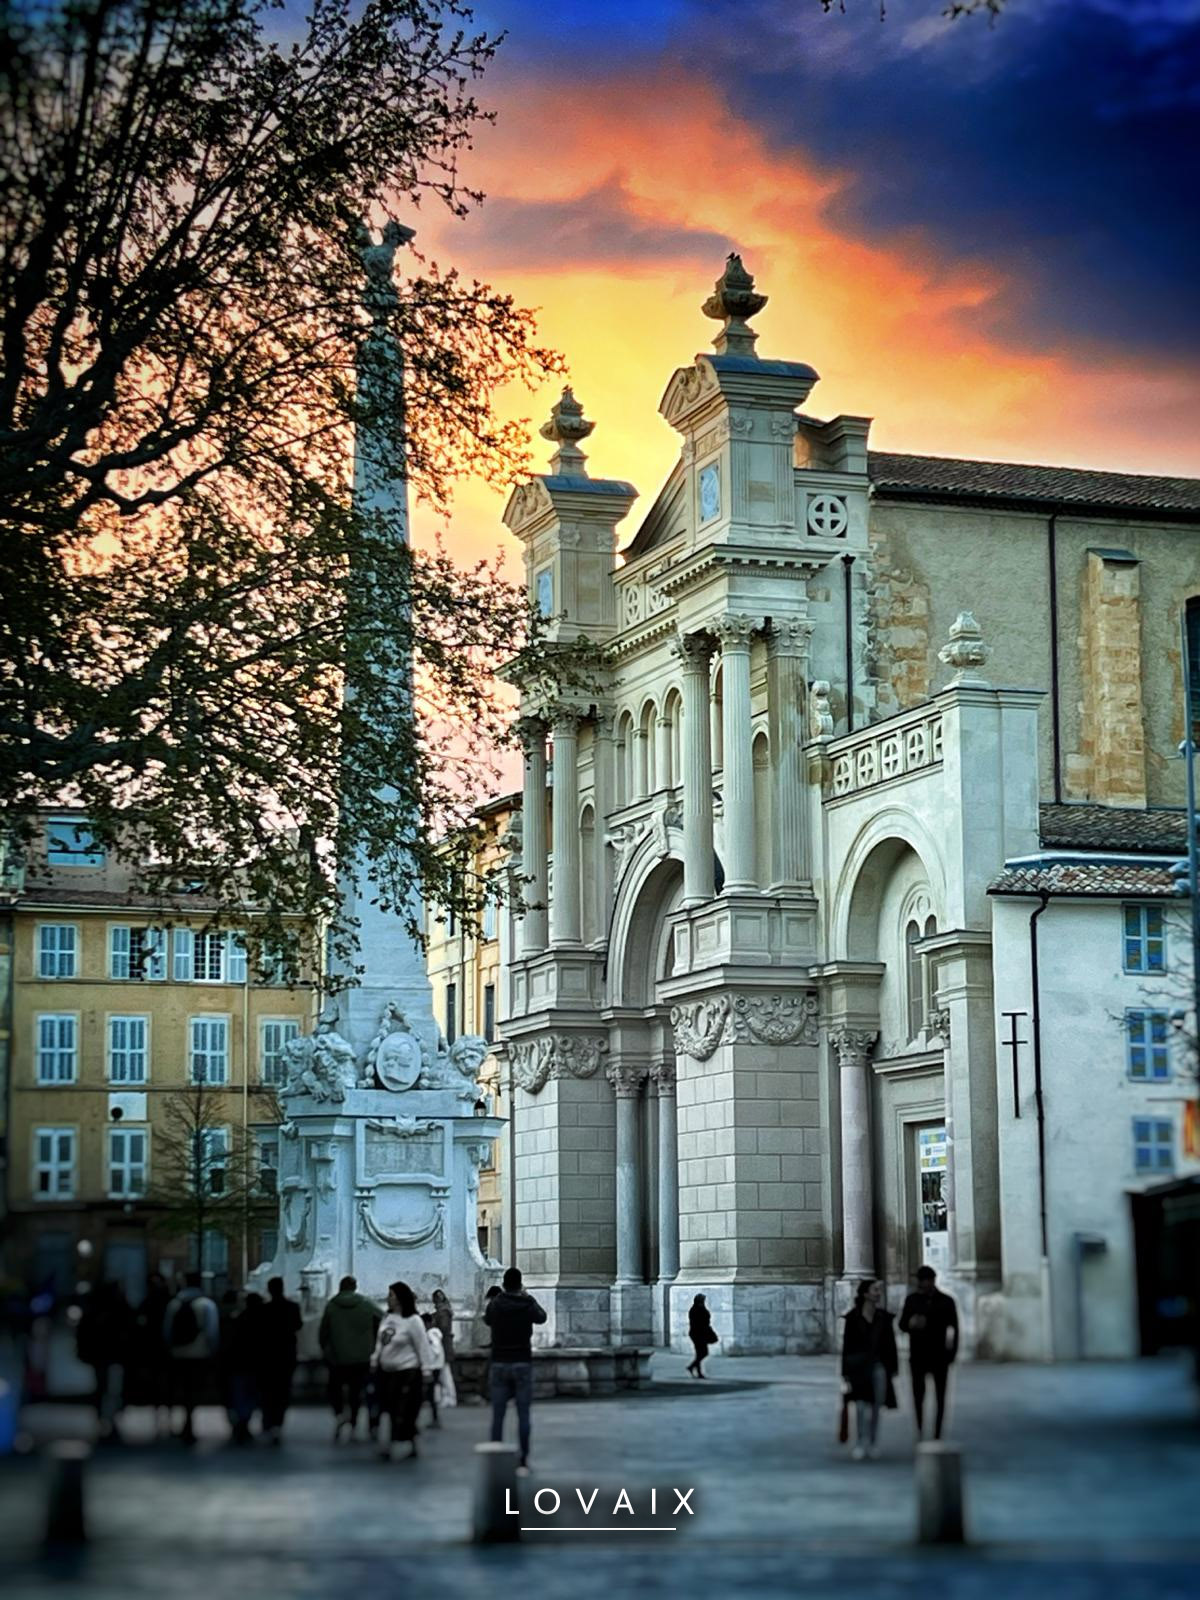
(944, 477)
(1159, 831)
(1092, 878)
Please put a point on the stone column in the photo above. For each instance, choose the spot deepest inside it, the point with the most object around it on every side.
(853, 1047)
(627, 1082)
(663, 776)
(663, 1074)
(533, 843)
(641, 763)
(734, 633)
(564, 909)
(787, 656)
(694, 650)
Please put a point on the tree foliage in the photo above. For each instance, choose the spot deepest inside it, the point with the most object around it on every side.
(202, 640)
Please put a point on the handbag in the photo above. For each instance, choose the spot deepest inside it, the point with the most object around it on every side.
(713, 1336)
(844, 1421)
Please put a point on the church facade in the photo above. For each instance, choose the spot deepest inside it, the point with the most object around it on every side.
(856, 718)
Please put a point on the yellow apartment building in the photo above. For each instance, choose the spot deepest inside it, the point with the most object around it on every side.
(122, 1008)
(467, 974)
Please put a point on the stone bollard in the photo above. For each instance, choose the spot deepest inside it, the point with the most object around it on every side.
(939, 1494)
(65, 1523)
(495, 1495)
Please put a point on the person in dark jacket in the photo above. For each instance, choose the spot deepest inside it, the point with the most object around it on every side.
(930, 1319)
(511, 1316)
(104, 1342)
(443, 1321)
(243, 1352)
(869, 1364)
(151, 1356)
(281, 1324)
(347, 1336)
(700, 1332)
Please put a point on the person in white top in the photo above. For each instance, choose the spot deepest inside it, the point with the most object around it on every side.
(403, 1359)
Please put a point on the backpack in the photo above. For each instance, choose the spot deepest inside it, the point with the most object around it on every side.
(185, 1326)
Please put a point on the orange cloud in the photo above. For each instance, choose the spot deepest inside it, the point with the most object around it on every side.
(896, 331)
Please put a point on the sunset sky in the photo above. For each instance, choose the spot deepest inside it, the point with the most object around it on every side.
(985, 237)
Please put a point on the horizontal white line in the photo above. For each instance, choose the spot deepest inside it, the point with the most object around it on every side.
(550, 1528)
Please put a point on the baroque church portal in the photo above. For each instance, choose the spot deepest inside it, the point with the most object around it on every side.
(751, 1014)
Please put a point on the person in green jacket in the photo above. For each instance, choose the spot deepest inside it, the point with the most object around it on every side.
(348, 1327)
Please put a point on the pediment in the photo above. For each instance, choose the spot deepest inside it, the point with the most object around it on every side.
(689, 389)
(666, 518)
(527, 504)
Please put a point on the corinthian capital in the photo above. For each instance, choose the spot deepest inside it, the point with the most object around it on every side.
(734, 630)
(693, 651)
(625, 1077)
(789, 636)
(852, 1045)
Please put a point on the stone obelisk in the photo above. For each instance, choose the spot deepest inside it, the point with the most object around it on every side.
(381, 1149)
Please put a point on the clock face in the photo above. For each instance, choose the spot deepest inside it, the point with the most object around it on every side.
(545, 592)
(710, 492)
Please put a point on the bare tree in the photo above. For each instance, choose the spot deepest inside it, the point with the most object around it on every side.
(202, 640)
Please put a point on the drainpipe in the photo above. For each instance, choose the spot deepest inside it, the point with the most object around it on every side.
(1040, 1105)
(1055, 705)
(848, 608)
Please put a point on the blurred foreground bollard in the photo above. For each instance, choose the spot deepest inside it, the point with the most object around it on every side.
(495, 1494)
(64, 1514)
(939, 1494)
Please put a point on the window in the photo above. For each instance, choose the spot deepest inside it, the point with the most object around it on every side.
(451, 922)
(1145, 948)
(56, 1049)
(451, 1012)
(1147, 1050)
(914, 981)
(209, 1049)
(209, 957)
(268, 1244)
(128, 1055)
(489, 1012)
(185, 954)
(137, 954)
(272, 964)
(210, 1158)
(489, 919)
(1153, 1144)
(56, 950)
(54, 1163)
(266, 1149)
(70, 842)
(127, 1163)
(213, 1258)
(236, 953)
(273, 1034)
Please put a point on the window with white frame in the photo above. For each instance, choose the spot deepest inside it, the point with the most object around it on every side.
(210, 1160)
(128, 1049)
(127, 1163)
(71, 842)
(271, 965)
(54, 1163)
(273, 1035)
(1153, 1144)
(1144, 944)
(56, 1048)
(489, 919)
(208, 1049)
(266, 1153)
(137, 954)
(209, 957)
(57, 946)
(1147, 1047)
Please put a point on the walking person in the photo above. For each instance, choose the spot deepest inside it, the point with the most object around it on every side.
(701, 1333)
(404, 1361)
(512, 1316)
(151, 1356)
(104, 1342)
(191, 1331)
(434, 1381)
(243, 1366)
(281, 1324)
(347, 1333)
(869, 1364)
(930, 1318)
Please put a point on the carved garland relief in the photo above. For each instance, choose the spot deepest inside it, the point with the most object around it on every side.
(773, 1019)
(555, 1055)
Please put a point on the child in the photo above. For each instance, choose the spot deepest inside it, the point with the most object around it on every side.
(433, 1380)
